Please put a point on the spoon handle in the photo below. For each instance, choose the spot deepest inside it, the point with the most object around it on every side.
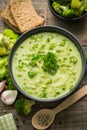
(71, 99)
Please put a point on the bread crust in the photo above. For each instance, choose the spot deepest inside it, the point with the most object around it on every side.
(6, 15)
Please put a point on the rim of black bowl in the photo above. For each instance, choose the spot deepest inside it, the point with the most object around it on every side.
(63, 18)
(40, 29)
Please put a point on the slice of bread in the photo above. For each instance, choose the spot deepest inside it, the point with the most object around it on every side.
(25, 15)
(6, 15)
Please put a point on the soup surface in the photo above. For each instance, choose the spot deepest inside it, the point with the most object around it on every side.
(46, 65)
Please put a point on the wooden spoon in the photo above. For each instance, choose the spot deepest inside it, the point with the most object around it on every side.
(45, 117)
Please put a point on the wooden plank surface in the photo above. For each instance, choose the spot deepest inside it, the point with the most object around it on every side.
(74, 117)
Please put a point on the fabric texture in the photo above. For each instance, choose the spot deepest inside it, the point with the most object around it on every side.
(7, 122)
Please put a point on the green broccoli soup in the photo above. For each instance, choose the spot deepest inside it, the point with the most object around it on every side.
(46, 65)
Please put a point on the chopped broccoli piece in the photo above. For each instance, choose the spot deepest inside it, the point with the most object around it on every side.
(63, 42)
(73, 59)
(49, 81)
(4, 74)
(56, 7)
(50, 63)
(23, 106)
(76, 4)
(69, 13)
(32, 74)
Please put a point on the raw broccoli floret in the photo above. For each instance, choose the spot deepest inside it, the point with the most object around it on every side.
(7, 39)
(9, 84)
(23, 106)
(4, 74)
(10, 33)
(3, 64)
(10, 37)
(3, 61)
(3, 50)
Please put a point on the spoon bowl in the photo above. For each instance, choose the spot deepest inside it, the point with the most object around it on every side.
(45, 117)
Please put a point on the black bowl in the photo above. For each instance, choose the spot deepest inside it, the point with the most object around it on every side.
(63, 18)
(47, 29)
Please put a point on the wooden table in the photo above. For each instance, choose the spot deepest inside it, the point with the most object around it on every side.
(74, 117)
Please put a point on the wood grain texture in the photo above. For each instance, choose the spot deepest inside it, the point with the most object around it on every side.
(74, 117)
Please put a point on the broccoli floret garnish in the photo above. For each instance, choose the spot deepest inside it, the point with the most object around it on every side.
(23, 106)
(50, 63)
